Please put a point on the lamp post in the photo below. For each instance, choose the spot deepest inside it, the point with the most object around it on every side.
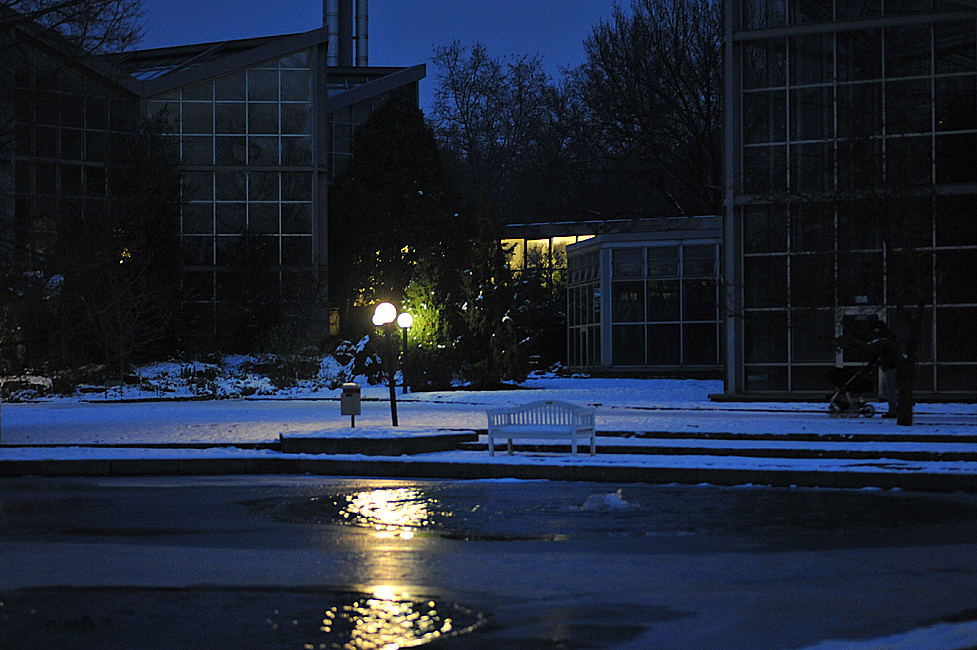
(384, 316)
(404, 321)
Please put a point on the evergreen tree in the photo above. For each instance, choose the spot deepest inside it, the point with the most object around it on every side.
(390, 209)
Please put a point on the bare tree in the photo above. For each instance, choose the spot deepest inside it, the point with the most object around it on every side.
(652, 85)
(89, 26)
(495, 118)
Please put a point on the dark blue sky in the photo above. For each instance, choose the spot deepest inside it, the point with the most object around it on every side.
(402, 32)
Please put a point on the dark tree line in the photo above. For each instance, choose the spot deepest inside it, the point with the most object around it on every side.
(635, 130)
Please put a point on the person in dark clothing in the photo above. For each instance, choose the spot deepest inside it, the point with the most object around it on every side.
(890, 358)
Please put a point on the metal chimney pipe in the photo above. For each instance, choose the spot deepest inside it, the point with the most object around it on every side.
(330, 20)
(362, 33)
(346, 33)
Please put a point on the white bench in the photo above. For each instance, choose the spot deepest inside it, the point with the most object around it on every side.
(543, 419)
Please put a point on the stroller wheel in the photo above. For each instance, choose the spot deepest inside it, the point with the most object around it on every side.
(868, 410)
(834, 410)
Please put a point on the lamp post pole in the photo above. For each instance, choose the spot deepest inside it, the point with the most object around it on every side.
(391, 371)
(384, 316)
(405, 320)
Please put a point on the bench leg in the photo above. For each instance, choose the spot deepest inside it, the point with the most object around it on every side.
(593, 445)
(491, 446)
(510, 446)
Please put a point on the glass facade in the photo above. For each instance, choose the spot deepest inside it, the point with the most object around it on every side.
(65, 122)
(854, 193)
(584, 310)
(246, 140)
(651, 306)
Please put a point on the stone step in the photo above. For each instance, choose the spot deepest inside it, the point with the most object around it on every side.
(920, 452)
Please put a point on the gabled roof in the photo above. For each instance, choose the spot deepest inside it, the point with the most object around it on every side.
(161, 70)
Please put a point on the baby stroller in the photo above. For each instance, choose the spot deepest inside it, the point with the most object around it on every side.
(844, 403)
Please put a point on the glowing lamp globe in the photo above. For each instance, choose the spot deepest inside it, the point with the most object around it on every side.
(384, 313)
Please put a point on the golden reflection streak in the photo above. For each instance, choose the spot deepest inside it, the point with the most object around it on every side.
(392, 512)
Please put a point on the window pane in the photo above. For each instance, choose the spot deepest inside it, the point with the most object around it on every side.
(765, 117)
(295, 85)
(810, 377)
(295, 118)
(199, 92)
(765, 170)
(627, 302)
(766, 378)
(955, 277)
(296, 186)
(812, 167)
(263, 218)
(263, 150)
(297, 151)
(663, 300)
(198, 251)
(765, 337)
(263, 186)
(962, 378)
(663, 261)
(859, 54)
(765, 228)
(699, 300)
(664, 345)
(231, 186)
(231, 218)
(699, 260)
(812, 226)
(811, 58)
(170, 112)
(198, 117)
(909, 162)
(765, 280)
(262, 85)
(627, 263)
(296, 60)
(198, 150)
(231, 150)
(629, 345)
(955, 340)
(813, 336)
(956, 220)
(907, 51)
(859, 225)
(956, 103)
(811, 280)
(231, 87)
(231, 118)
(860, 110)
(956, 46)
(812, 114)
(297, 218)
(908, 106)
(764, 63)
(700, 344)
(198, 218)
(758, 14)
(262, 118)
(955, 158)
(296, 251)
(860, 278)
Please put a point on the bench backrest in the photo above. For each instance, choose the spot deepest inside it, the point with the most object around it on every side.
(543, 412)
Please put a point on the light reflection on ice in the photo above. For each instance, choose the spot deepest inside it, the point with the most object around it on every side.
(389, 620)
(392, 512)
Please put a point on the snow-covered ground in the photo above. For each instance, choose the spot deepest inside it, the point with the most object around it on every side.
(152, 417)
